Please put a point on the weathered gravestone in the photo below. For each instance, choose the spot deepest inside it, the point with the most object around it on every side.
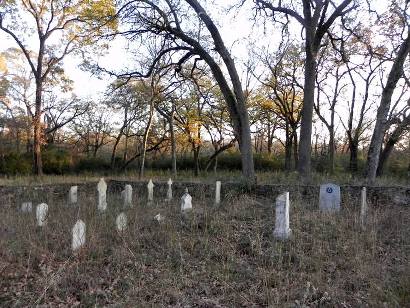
(186, 201)
(169, 191)
(159, 218)
(26, 207)
(218, 193)
(121, 222)
(41, 214)
(73, 195)
(329, 198)
(102, 195)
(363, 207)
(128, 195)
(150, 187)
(282, 230)
(78, 235)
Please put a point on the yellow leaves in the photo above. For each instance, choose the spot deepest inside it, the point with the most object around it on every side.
(101, 12)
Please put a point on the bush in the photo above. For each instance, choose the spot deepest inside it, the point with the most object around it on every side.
(56, 161)
(91, 164)
(16, 164)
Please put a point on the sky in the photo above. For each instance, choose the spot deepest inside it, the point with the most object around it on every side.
(236, 28)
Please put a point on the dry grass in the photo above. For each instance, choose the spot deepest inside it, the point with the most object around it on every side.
(215, 257)
(267, 177)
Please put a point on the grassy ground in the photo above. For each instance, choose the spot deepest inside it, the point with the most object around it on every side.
(215, 257)
(263, 178)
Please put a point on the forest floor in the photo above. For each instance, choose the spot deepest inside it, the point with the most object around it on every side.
(214, 257)
(263, 177)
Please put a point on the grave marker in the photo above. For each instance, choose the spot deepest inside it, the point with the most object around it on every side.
(73, 195)
(186, 201)
(121, 222)
(27, 207)
(363, 207)
(169, 191)
(150, 187)
(282, 230)
(102, 195)
(78, 235)
(128, 195)
(41, 214)
(218, 193)
(329, 198)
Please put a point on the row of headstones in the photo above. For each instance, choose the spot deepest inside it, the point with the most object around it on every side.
(79, 229)
(329, 201)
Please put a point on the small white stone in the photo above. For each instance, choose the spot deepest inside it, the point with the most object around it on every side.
(150, 187)
(102, 195)
(27, 207)
(41, 214)
(218, 193)
(128, 195)
(73, 195)
(121, 222)
(169, 191)
(78, 235)
(282, 230)
(159, 218)
(186, 201)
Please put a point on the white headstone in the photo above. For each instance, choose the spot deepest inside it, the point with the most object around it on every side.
(41, 214)
(159, 218)
(121, 222)
(78, 235)
(282, 230)
(329, 198)
(128, 195)
(102, 195)
(186, 201)
(218, 193)
(27, 207)
(169, 191)
(363, 207)
(150, 187)
(73, 195)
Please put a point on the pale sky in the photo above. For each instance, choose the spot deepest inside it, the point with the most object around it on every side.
(236, 30)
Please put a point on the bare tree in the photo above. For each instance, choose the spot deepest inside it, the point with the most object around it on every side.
(62, 19)
(316, 18)
(395, 74)
(181, 36)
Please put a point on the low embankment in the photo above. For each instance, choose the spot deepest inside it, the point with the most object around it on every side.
(309, 194)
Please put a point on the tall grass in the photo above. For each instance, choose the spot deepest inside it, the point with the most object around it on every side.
(213, 257)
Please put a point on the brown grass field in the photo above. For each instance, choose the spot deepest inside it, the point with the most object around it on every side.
(214, 257)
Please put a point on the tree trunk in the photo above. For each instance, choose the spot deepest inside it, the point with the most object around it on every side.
(395, 74)
(331, 149)
(304, 164)
(288, 149)
(295, 148)
(173, 145)
(354, 149)
(196, 160)
(38, 162)
(145, 140)
(391, 142)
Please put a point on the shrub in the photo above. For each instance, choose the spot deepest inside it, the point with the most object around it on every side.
(56, 161)
(16, 164)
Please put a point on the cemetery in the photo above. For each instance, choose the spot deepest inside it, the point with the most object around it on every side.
(203, 153)
(181, 244)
